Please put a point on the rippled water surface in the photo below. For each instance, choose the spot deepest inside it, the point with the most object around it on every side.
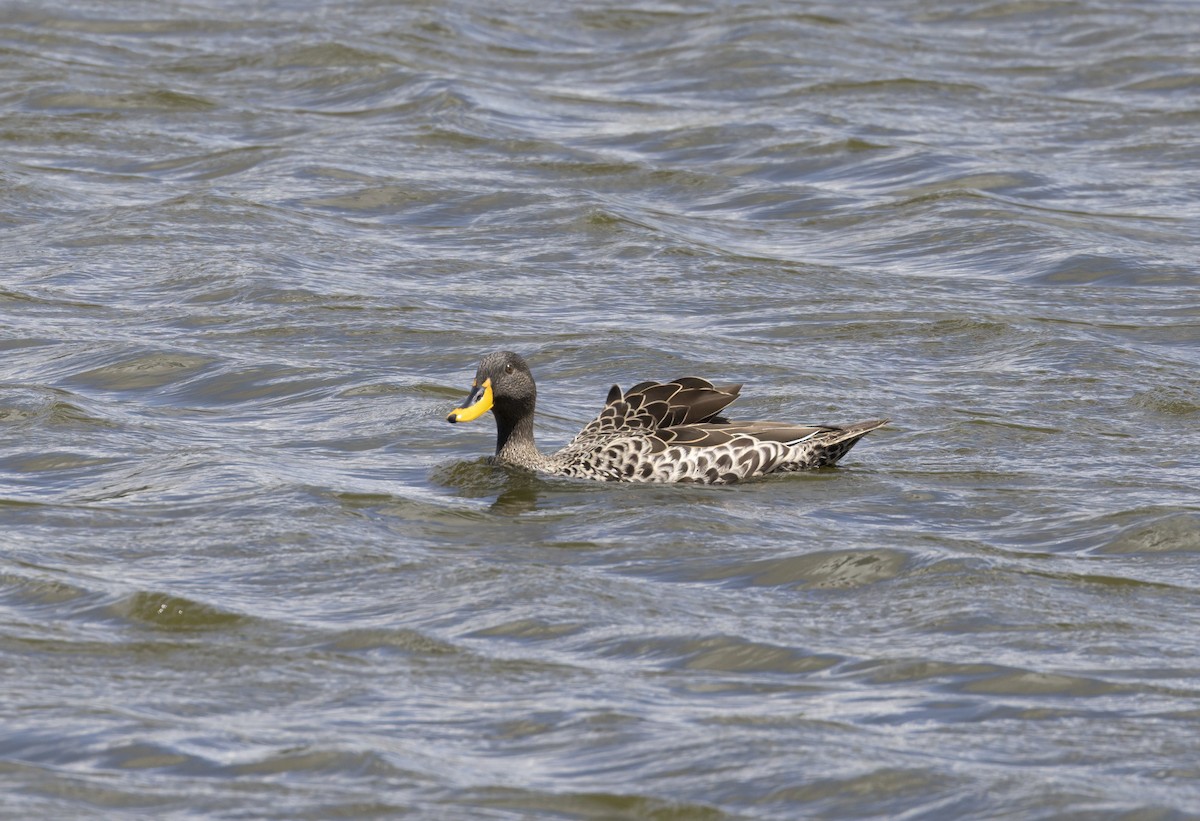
(252, 252)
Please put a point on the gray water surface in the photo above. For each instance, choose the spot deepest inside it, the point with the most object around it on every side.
(252, 253)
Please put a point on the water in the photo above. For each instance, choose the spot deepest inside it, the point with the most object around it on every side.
(253, 251)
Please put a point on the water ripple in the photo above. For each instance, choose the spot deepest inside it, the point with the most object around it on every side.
(254, 252)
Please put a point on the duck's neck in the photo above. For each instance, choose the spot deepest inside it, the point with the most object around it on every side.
(514, 440)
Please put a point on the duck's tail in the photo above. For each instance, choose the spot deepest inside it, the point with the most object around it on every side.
(827, 448)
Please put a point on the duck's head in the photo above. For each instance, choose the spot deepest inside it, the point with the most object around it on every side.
(503, 385)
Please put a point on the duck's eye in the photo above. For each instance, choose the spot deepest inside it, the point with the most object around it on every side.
(508, 368)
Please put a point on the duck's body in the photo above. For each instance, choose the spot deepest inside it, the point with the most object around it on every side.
(654, 432)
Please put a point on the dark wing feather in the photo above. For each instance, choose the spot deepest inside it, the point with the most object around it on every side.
(710, 434)
(780, 432)
(694, 436)
(792, 434)
(685, 401)
(655, 405)
(693, 382)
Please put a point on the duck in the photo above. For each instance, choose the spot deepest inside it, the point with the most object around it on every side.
(661, 432)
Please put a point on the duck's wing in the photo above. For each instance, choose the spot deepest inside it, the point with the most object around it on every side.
(709, 435)
(650, 406)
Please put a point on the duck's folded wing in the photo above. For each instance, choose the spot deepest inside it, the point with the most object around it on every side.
(707, 435)
(711, 435)
(650, 406)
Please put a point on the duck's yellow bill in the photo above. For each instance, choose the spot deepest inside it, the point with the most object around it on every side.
(479, 402)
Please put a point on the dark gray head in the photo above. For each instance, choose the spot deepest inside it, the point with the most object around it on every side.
(503, 385)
